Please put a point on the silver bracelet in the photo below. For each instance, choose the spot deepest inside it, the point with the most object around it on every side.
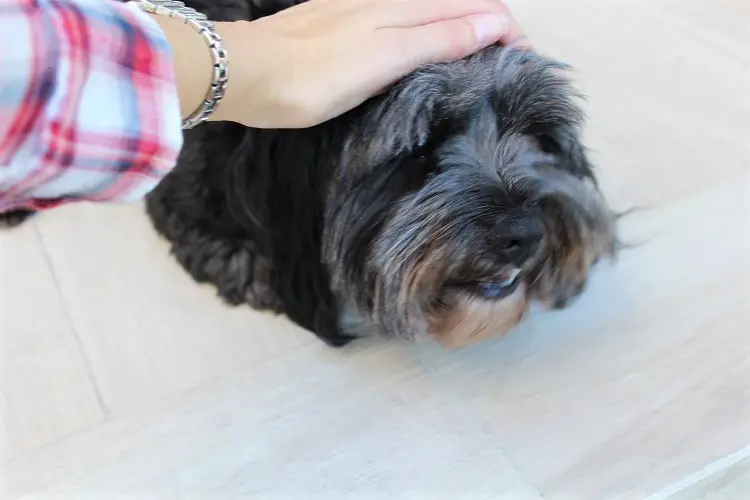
(207, 30)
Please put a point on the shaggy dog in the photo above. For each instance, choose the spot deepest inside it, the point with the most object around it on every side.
(443, 207)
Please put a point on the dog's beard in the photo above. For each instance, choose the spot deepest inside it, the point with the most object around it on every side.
(471, 319)
(471, 197)
(443, 246)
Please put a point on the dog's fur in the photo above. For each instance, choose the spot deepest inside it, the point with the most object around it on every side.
(403, 216)
(409, 215)
(15, 218)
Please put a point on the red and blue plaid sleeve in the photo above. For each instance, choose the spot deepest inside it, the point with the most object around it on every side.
(88, 103)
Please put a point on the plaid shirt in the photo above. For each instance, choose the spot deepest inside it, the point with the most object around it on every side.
(88, 103)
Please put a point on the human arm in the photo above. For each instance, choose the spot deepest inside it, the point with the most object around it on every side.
(93, 91)
(320, 58)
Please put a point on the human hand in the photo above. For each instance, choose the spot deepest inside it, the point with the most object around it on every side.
(321, 58)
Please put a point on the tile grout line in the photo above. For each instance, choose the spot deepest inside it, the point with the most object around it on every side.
(106, 411)
(704, 473)
(449, 392)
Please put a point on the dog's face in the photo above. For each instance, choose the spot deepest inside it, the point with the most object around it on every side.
(462, 195)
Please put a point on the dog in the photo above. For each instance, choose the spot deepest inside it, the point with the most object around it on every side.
(442, 208)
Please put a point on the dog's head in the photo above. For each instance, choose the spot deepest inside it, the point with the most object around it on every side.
(462, 194)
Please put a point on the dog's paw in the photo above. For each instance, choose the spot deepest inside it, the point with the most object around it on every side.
(14, 218)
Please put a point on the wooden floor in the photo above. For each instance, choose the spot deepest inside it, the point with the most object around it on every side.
(120, 378)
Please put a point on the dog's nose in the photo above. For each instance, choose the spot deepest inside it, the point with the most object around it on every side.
(520, 243)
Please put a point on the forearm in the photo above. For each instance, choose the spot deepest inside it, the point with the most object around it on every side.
(192, 63)
(193, 67)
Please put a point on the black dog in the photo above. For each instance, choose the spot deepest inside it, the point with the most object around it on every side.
(441, 207)
(424, 210)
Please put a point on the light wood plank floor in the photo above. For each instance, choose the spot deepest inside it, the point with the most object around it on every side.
(121, 378)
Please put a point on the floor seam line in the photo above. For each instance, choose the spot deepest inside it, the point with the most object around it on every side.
(706, 472)
(88, 366)
(484, 428)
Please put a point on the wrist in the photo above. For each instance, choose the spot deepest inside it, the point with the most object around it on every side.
(259, 94)
(234, 106)
(191, 60)
(193, 68)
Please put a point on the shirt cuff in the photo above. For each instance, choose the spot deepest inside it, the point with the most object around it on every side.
(96, 114)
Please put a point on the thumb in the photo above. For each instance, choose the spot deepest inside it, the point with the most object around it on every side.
(454, 38)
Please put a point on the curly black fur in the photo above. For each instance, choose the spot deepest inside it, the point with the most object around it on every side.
(416, 198)
(15, 218)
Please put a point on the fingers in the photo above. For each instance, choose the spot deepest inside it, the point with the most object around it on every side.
(514, 35)
(449, 40)
(412, 13)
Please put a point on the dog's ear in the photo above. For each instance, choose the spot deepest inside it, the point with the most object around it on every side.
(358, 206)
(288, 264)
(395, 124)
(386, 156)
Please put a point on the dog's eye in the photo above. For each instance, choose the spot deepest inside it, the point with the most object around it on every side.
(498, 289)
(492, 290)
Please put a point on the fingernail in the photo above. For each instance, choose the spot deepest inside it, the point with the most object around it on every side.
(489, 27)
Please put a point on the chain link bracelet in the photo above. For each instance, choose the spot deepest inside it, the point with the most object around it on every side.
(207, 30)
